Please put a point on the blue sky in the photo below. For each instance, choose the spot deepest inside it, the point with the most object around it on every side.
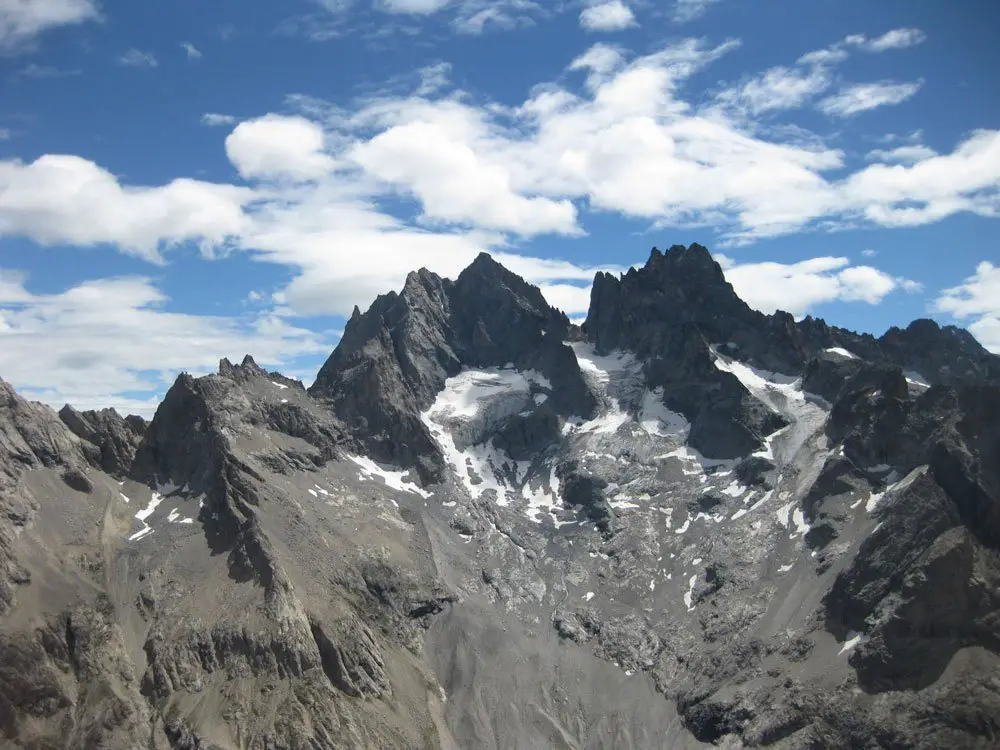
(182, 181)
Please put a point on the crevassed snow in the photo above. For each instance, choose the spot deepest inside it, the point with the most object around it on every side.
(842, 352)
(465, 394)
(462, 415)
(393, 479)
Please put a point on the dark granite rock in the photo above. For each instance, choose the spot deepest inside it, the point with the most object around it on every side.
(115, 438)
(528, 435)
(587, 493)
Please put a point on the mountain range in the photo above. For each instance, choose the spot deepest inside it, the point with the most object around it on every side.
(681, 524)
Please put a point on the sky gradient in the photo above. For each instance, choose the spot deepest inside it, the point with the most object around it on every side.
(182, 181)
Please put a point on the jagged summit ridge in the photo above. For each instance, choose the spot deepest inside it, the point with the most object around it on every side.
(395, 358)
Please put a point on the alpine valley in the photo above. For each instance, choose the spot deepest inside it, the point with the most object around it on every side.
(681, 524)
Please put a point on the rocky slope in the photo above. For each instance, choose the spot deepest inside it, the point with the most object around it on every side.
(684, 523)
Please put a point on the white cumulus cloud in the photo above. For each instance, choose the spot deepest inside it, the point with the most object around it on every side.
(59, 199)
(798, 287)
(610, 15)
(977, 297)
(276, 146)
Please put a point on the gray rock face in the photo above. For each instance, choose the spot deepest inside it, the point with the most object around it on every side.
(114, 437)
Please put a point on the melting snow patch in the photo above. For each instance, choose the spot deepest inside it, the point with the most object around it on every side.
(282, 386)
(393, 479)
(588, 596)
(689, 594)
(799, 519)
(905, 482)
(850, 643)
(145, 513)
(735, 489)
(783, 512)
(842, 352)
(175, 517)
(784, 568)
(125, 499)
(915, 378)
(684, 527)
(656, 419)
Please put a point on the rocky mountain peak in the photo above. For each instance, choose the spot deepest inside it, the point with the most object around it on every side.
(395, 358)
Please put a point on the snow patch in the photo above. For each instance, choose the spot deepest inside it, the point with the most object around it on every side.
(799, 519)
(842, 352)
(155, 499)
(280, 386)
(656, 419)
(393, 479)
(689, 594)
(850, 643)
(588, 596)
(902, 484)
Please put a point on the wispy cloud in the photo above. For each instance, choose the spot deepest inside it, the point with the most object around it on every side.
(688, 10)
(135, 58)
(895, 39)
(863, 97)
(214, 119)
(36, 71)
(190, 50)
(840, 51)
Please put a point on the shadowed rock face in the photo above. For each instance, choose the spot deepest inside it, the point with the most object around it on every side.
(114, 437)
(687, 524)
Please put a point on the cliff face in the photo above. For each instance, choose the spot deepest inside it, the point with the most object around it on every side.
(685, 524)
